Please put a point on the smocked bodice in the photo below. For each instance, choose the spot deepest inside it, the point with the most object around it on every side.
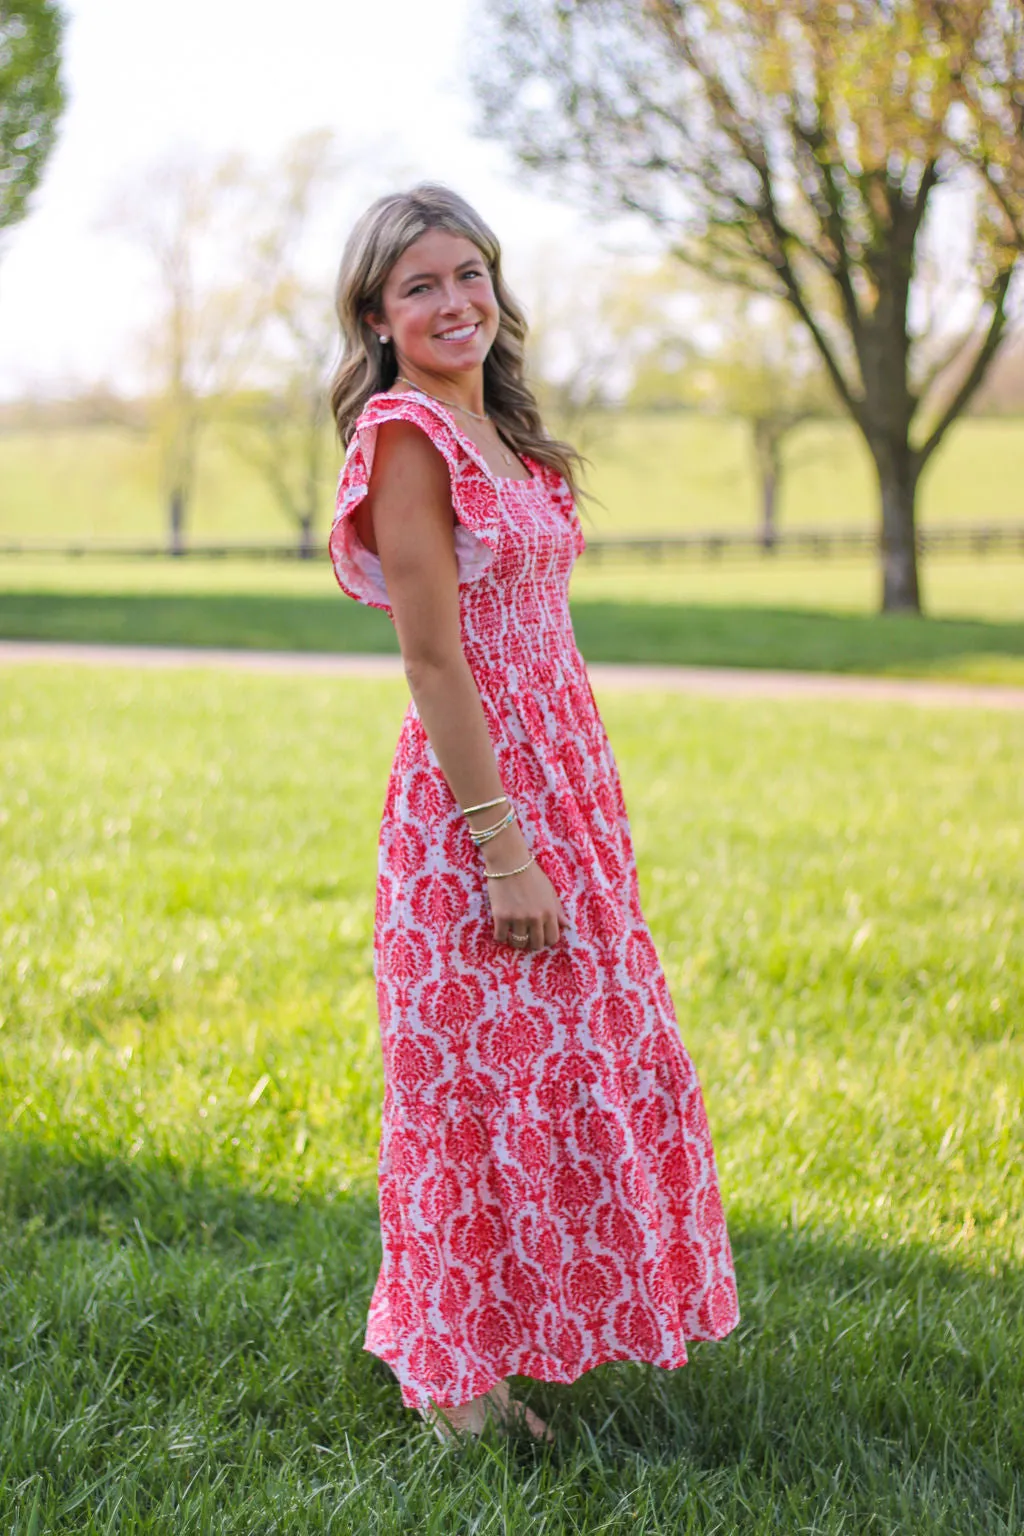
(515, 541)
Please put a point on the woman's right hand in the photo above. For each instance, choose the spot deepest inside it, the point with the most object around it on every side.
(524, 903)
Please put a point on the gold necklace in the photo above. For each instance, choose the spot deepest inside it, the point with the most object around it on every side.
(453, 405)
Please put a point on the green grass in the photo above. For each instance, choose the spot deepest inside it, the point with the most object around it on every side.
(650, 471)
(105, 483)
(189, 1095)
(665, 471)
(625, 616)
(954, 587)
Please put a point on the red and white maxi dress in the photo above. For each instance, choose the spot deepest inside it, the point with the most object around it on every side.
(548, 1193)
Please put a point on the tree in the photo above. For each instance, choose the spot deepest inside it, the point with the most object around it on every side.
(592, 325)
(806, 149)
(748, 358)
(280, 427)
(193, 219)
(1002, 393)
(282, 433)
(31, 98)
(243, 328)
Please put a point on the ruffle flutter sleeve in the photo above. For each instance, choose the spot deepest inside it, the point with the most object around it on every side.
(474, 499)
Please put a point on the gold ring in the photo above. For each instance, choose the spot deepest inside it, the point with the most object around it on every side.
(519, 940)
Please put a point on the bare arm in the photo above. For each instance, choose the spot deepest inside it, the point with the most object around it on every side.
(408, 519)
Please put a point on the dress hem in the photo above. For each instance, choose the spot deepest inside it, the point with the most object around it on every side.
(422, 1397)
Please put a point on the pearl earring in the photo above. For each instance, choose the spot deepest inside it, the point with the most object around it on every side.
(383, 339)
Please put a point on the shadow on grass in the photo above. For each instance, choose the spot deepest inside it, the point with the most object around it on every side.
(884, 1382)
(241, 621)
(703, 635)
(788, 639)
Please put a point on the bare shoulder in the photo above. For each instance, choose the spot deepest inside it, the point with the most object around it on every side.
(408, 514)
(405, 455)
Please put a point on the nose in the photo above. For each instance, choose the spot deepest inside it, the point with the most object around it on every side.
(452, 301)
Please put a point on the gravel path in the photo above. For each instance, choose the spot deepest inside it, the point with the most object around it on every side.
(715, 682)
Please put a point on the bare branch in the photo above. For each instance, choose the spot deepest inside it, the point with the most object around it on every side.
(986, 352)
(789, 147)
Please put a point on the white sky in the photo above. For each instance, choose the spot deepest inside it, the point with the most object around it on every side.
(147, 76)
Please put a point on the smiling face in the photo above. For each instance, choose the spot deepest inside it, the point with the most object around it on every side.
(439, 306)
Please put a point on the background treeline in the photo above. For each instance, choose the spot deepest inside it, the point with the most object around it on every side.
(70, 474)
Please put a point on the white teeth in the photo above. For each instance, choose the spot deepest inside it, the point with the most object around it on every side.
(460, 335)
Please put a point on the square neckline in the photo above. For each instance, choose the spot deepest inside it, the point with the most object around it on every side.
(467, 442)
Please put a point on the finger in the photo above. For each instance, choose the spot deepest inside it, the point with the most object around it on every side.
(536, 933)
(551, 930)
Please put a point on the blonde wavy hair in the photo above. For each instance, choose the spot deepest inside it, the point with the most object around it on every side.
(383, 234)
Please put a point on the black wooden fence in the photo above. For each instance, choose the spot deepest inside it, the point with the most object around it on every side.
(816, 543)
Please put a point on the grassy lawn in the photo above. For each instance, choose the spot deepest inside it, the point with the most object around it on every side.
(664, 471)
(954, 587)
(653, 471)
(189, 1093)
(650, 471)
(783, 616)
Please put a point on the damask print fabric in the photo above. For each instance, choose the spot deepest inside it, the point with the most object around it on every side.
(548, 1192)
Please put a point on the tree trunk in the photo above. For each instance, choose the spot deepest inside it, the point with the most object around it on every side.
(307, 548)
(897, 480)
(768, 437)
(314, 451)
(176, 521)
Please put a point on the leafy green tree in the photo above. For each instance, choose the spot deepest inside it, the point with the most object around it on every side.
(801, 148)
(31, 98)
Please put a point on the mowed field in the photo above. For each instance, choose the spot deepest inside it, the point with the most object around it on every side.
(792, 615)
(189, 1099)
(650, 472)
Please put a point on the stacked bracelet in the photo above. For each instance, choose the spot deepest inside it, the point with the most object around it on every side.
(486, 833)
(504, 873)
(485, 805)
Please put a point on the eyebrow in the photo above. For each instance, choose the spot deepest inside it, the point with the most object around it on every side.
(417, 277)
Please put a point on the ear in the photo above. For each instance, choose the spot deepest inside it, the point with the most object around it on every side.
(378, 325)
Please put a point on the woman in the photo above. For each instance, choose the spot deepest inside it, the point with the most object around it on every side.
(548, 1191)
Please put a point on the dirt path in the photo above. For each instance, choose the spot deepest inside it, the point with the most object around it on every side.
(714, 682)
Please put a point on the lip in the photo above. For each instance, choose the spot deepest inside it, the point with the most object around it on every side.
(452, 337)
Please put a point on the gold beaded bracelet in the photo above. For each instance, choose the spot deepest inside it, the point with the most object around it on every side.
(504, 873)
(486, 833)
